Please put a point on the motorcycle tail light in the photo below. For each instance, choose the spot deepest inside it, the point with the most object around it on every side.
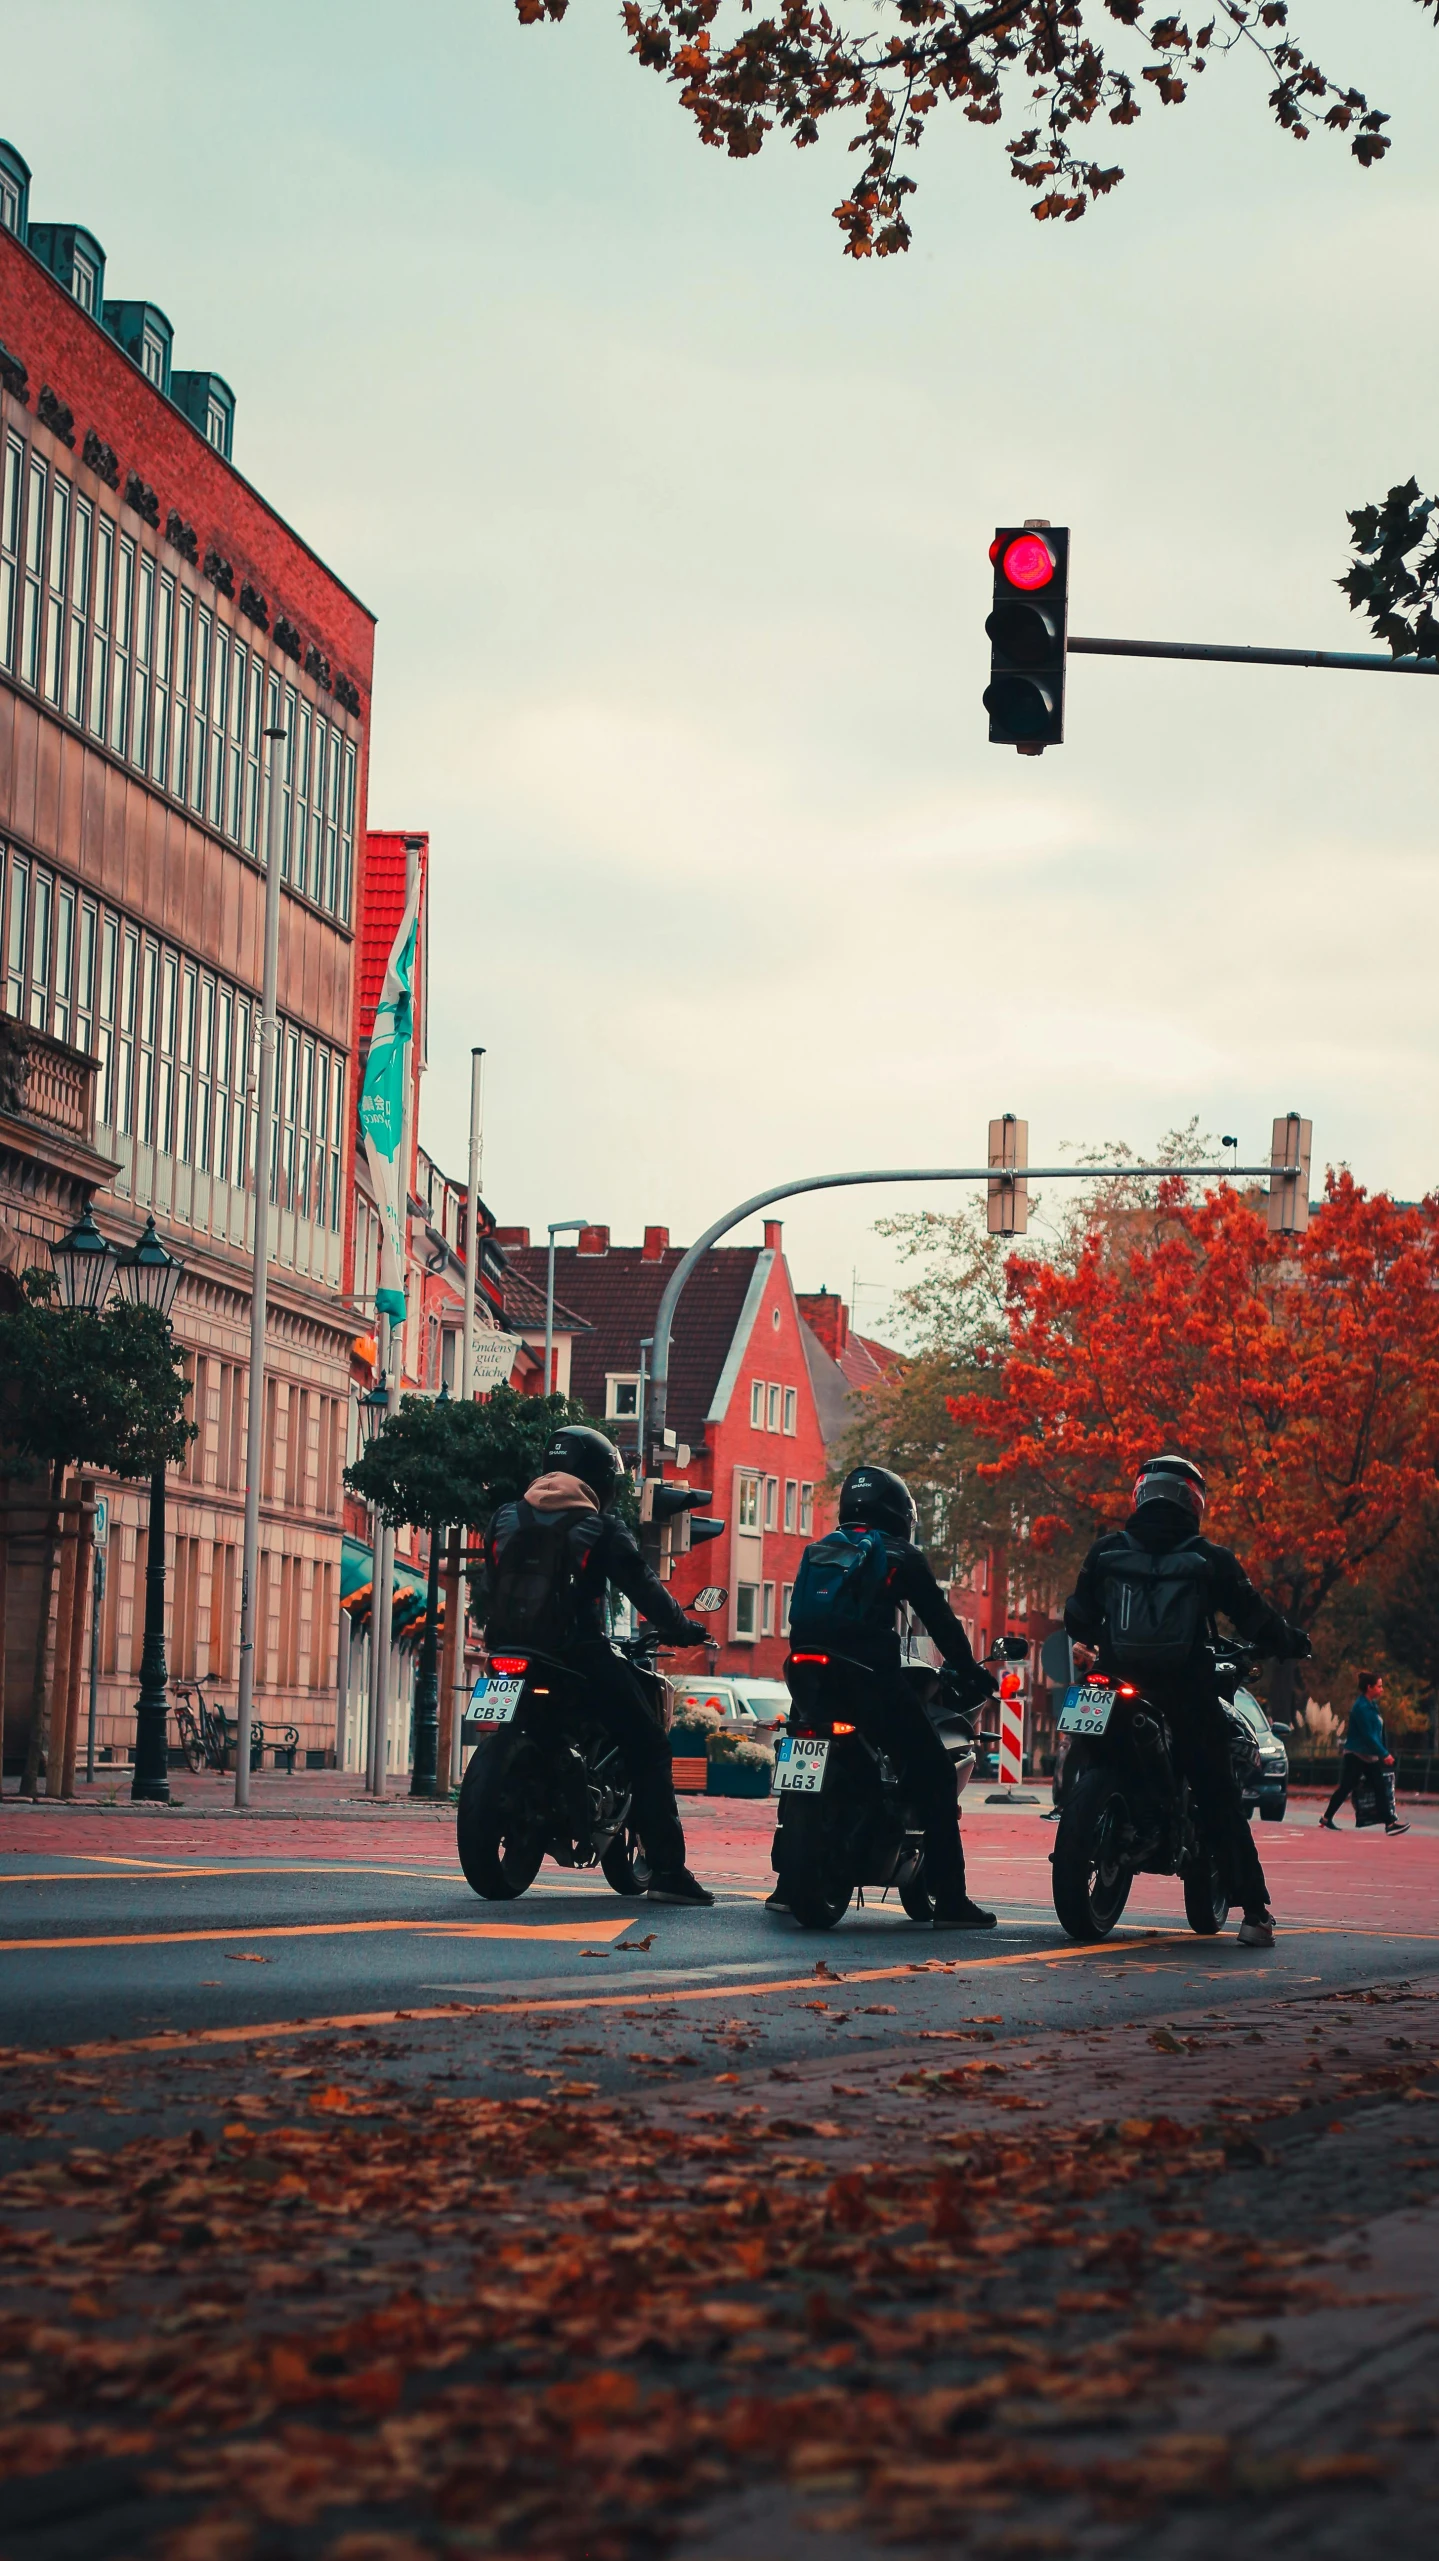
(1126, 1689)
(837, 1728)
(510, 1666)
(809, 1658)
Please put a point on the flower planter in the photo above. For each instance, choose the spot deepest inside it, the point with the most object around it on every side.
(738, 1778)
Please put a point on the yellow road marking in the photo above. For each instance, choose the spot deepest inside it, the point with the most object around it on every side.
(175, 2040)
(334, 1929)
(306, 1867)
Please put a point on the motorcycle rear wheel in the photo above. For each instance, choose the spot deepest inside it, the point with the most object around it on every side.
(1090, 1891)
(916, 1896)
(1206, 1900)
(499, 1849)
(817, 1894)
(624, 1864)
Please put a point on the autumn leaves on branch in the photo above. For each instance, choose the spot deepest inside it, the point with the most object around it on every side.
(1048, 69)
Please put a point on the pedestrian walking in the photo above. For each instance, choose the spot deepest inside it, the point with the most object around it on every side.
(1366, 1755)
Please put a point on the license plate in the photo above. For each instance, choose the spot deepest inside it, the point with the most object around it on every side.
(1087, 1710)
(496, 1701)
(799, 1763)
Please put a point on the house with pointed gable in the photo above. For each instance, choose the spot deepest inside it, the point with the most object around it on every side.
(742, 1402)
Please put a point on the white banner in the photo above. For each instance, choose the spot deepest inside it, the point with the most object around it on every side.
(492, 1358)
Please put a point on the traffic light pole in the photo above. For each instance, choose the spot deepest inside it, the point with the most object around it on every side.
(659, 1379)
(1373, 663)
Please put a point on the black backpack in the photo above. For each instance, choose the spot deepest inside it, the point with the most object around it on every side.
(534, 1575)
(1156, 1609)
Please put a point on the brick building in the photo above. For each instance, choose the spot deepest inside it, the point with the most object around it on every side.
(156, 614)
(741, 1399)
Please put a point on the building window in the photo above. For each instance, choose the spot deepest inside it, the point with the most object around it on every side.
(785, 1597)
(746, 1610)
(152, 358)
(771, 1502)
(214, 423)
(34, 548)
(622, 1399)
(55, 588)
(83, 283)
(791, 1411)
(100, 621)
(80, 546)
(749, 1502)
(10, 487)
(806, 1510)
(756, 1406)
(773, 1417)
(9, 203)
(769, 1609)
(791, 1504)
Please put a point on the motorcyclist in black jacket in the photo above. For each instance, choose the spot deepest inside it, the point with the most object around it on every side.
(583, 1472)
(1169, 1503)
(883, 1703)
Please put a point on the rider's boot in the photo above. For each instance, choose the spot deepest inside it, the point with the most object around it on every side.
(967, 1915)
(677, 1885)
(1257, 1927)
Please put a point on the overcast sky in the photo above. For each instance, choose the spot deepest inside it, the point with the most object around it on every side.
(676, 525)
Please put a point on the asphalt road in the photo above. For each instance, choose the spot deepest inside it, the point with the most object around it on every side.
(176, 1927)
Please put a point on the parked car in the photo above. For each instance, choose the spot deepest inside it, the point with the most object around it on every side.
(1266, 1787)
(767, 1702)
(721, 1696)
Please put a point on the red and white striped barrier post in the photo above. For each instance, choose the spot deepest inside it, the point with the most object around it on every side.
(1011, 1729)
(1011, 1790)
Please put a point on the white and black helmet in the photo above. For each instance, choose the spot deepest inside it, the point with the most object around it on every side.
(1171, 1479)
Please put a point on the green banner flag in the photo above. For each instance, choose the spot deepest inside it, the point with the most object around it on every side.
(382, 1108)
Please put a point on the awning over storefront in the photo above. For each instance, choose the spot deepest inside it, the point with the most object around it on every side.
(357, 1588)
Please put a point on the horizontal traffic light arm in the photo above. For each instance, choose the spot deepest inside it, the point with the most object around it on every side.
(1368, 662)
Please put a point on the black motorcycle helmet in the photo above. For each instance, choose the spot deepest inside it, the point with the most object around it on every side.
(577, 1449)
(1171, 1479)
(875, 1498)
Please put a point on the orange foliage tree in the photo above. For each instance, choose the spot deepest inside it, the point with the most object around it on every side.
(1302, 1373)
(1060, 78)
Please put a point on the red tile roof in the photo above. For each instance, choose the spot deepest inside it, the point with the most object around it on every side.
(618, 1294)
(386, 866)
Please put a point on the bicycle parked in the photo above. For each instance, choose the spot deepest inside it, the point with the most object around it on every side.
(208, 1738)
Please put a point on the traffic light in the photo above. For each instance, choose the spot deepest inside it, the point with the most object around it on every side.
(671, 1509)
(1289, 1177)
(1008, 1204)
(1028, 632)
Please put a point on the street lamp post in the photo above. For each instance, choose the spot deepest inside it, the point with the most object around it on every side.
(148, 1276)
(425, 1772)
(558, 1227)
(374, 1409)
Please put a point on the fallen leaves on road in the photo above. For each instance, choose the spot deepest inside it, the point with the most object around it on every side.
(421, 2322)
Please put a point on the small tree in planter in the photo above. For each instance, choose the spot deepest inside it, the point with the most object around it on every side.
(82, 1387)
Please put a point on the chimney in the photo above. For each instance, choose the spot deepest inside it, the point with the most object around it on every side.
(517, 1237)
(827, 1318)
(773, 1235)
(593, 1240)
(656, 1245)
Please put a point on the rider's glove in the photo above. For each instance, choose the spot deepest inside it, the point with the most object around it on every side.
(696, 1632)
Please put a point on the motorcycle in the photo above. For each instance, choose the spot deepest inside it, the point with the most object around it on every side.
(546, 1780)
(843, 1823)
(1124, 1808)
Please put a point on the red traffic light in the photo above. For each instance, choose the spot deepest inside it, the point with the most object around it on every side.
(1028, 562)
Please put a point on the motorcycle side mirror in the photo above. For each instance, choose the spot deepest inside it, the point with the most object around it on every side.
(1280, 1729)
(712, 1598)
(1014, 1648)
(1054, 1659)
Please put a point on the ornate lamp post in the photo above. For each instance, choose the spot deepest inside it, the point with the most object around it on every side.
(148, 1276)
(425, 1775)
(84, 1265)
